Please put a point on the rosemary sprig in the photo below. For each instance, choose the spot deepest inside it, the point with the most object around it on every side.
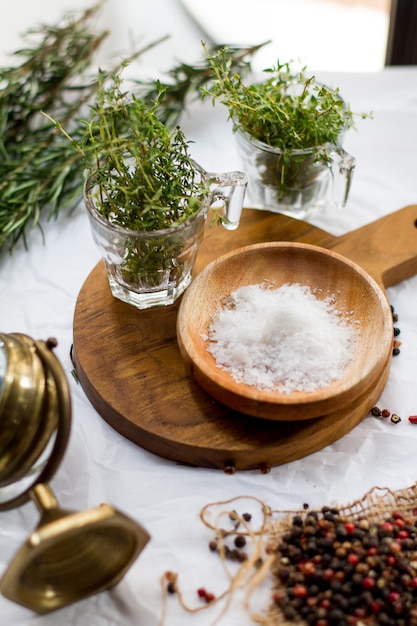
(37, 167)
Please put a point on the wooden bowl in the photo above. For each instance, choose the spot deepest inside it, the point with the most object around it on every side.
(320, 269)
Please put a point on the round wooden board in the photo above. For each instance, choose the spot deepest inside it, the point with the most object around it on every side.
(130, 368)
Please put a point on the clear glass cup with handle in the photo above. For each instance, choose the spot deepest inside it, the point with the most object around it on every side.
(148, 268)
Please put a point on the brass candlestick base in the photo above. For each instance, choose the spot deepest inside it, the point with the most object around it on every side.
(70, 555)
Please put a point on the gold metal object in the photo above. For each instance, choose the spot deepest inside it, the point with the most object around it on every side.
(70, 555)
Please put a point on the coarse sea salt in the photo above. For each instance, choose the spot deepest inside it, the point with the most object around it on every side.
(284, 339)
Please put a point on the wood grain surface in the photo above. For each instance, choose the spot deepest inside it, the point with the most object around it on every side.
(359, 300)
(129, 365)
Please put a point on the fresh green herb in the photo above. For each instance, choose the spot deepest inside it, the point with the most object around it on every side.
(140, 178)
(38, 168)
(145, 177)
(288, 111)
(184, 82)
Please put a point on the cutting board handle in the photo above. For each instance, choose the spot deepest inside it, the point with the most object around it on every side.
(386, 248)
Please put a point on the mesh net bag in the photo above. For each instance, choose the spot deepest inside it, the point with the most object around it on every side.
(349, 565)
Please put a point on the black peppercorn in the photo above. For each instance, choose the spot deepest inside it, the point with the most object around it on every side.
(171, 588)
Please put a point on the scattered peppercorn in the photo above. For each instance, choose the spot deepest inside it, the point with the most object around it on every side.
(396, 344)
(229, 469)
(171, 588)
(240, 541)
(264, 468)
(412, 419)
(205, 595)
(395, 419)
(247, 517)
(376, 411)
(385, 413)
(171, 578)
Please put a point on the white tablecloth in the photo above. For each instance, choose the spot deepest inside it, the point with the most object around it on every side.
(38, 292)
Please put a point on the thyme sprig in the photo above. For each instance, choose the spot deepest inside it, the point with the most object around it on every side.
(143, 171)
(287, 110)
(184, 81)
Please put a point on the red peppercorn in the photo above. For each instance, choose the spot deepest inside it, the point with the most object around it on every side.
(300, 591)
(403, 534)
(385, 413)
(210, 597)
(264, 468)
(201, 592)
(350, 527)
(413, 419)
(307, 568)
(353, 558)
(393, 596)
(277, 597)
(325, 603)
(375, 607)
(368, 582)
(328, 574)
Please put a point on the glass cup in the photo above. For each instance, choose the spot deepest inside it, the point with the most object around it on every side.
(153, 268)
(312, 179)
(298, 184)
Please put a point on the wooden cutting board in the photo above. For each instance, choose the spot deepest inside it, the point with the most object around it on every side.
(130, 368)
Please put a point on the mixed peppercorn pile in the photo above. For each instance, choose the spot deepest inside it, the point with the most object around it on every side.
(334, 572)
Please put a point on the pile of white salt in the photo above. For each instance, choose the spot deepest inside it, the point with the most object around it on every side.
(283, 339)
